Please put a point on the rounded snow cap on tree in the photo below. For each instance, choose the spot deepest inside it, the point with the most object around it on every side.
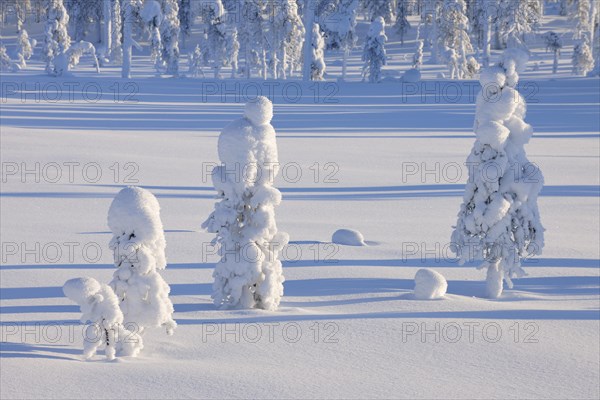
(259, 111)
(135, 209)
(80, 289)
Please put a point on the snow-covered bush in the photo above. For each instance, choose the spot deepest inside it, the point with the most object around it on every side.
(402, 26)
(100, 307)
(554, 44)
(138, 245)
(473, 67)
(374, 51)
(24, 48)
(65, 61)
(249, 273)
(429, 284)
(56, 37)
(499, 220)
(418, 56)
(318, 54)
(348, 237)
(583, 60)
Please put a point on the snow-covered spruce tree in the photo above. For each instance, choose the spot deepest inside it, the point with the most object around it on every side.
(249, 273)
(56, 37)
(516, 19)
(68, 59)
(5, 62)
(251, 35)
(169, 33)
(583, 60)
(151, 14)
(402, 26)
(100, 307)
(213, 15)
(582, 18)
(499, 221)
(380, 8)
(318, 54)
(195, 62)
(130, 17)
(287, 33)
(186, 20)
(418, 56)
(24, 48)
(553, 44)
(117, 17)
(340, 29)
(374, 51)
(138, 245)
(453, 34)
(81, 14)
(232, 49)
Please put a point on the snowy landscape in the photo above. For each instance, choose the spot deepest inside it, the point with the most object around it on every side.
(300, 199)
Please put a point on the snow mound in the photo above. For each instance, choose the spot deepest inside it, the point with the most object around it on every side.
(80, 289)
(259, 111)
(348, 237)
(412, 75)
(429, 284)
(135, 209)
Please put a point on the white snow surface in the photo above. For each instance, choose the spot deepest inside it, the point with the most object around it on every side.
(348, 237)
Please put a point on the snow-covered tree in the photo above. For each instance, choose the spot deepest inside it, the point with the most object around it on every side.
(68, 59)
(186, 20)
(5, 62)
(117, 16)
(213, 15)
(318, 54)
(402, 26)
(583, 60)
(582, 18)
(340, 29)
(516, 19)
(249, 273)
(100, 307)
(138, 245)
(452, 31)
(81, 15)
(287, 35)
(22, 8)
(499, 221)
(380, 8)
(232, 49)
(196, 62)
(24, 48)
(169, 33)
(130, 17)
(151, 14)
(374, 51)
(251, 26)
(553, 44)
(56, 37)
(418, 56)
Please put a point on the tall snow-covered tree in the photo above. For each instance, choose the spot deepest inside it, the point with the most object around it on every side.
(499, 221)
(380, 8)
(453, 35)
(339, 26)
(6, 63)
(25, 47)
(583, 60)
(151, 14)
(213, 15)
(138, 246)
(318, 54)
(116, 33)
(249, 273)
(252, 38)
(418, 56)
(169, 33)
(582, 19)
(287, 36)
(82, 13)
(374, 55)
(514, 19)
(553, 44)
(186, 20)
(232, 49)
(130, 16)
(56, 36)
(402, 26)
(195, 62)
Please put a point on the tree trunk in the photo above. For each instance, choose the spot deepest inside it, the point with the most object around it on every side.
(309, 15)
(494, 280)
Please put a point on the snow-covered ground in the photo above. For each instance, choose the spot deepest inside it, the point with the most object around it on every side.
(386, 160)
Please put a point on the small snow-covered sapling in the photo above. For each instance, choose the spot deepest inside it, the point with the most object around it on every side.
(138, 245)
(100, 307)
(249, 273)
